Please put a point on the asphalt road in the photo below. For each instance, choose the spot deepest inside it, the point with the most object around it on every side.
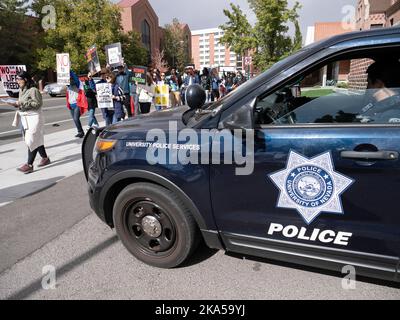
(57, 228)
(57, 117)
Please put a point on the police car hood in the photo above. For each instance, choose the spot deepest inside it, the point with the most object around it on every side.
(137, 127)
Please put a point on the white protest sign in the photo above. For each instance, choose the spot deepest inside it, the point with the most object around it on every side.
(63, 69)
(104, 93)
(8, 75)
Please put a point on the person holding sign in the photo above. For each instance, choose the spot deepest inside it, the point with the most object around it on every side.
(72, 103)
(118, 97)
(30, 116)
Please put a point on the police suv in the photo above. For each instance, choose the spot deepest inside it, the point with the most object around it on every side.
(300, 164)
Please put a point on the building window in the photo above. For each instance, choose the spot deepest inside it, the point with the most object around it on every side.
(146, 37)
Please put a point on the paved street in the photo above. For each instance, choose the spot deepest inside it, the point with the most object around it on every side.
(56, 114)
(45, 219)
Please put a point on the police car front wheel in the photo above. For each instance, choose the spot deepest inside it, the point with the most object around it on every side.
(154, 225)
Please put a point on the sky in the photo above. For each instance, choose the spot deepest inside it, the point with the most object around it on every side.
(203, 14)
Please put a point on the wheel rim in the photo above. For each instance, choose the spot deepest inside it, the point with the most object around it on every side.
(150, 227)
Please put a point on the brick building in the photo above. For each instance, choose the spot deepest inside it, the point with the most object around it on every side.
(336, 72)
(139, 15)
(371, 14)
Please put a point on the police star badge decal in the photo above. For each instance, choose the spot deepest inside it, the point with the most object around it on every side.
(310, 186)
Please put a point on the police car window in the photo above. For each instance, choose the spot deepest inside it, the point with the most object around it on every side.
(362, 90)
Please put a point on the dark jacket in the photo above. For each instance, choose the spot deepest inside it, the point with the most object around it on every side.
(118, 101)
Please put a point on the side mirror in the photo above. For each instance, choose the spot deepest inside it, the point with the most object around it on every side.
(195, 96)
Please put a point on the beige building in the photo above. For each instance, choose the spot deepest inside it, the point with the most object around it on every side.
(208, 52)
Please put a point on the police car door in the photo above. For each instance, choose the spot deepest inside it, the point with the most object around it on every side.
(326, 183)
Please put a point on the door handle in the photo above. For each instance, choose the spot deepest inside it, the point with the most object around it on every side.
(365, 155)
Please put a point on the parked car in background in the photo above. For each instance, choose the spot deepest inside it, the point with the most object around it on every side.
(55, 89)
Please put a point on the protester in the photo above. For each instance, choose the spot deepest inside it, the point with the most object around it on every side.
(215, 81)
(72, 103)
(146, 94)
(134, 98)
(118, 98)
(175, 82)
(205, 81)
(191, 78)
(30, 116)
(123, 77)
(90, 93)
(108, 114)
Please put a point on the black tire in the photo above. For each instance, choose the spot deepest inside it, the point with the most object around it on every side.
(53, 95)
(179, 234)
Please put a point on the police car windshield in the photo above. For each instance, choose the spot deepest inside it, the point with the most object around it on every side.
(248, 86)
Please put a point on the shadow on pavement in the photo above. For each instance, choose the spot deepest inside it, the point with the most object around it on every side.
(76, 141)
(37, 285)
(201, 254)
(7, 151)
(258, 262)
(70, 158)
(24, 190)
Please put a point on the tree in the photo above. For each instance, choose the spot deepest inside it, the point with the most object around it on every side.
(18, 33)
(133, 50)
(238, 33)
(268, 38)
(176, 46)
(81, 24)
(158, 61)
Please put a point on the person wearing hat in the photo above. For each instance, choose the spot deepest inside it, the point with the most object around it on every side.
(30, 116)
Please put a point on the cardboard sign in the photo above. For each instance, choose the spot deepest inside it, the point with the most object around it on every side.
(104, 93)
(63, 69)
(139, 74)
(114, 55)
(9, 77)
(93, 61)
(162, 95)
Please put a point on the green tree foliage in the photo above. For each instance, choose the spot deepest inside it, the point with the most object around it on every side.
(132, 49)
(81, 24)
(268, 39)
(18, 33)
(238, 33)
(176, 46)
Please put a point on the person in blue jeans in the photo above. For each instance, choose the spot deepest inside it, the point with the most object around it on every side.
(72, 103)
(90, 93)
(118, 98)
(108, 114)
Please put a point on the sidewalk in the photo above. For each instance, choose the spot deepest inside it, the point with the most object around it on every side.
(65, 153)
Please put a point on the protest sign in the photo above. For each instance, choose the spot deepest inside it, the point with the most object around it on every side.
(104, 95)
(139, 74)
(8, 75)
(63, 69)
(92, 59)
(114, 55)
(162, 95)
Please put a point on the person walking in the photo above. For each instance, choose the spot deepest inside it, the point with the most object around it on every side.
(146, 94)
(118, 98)
(108, 114)
(205, 81)
(72, 103)
(175, 82)
(90, 93)
(30, 116)
(123, 77)
(215, 82)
